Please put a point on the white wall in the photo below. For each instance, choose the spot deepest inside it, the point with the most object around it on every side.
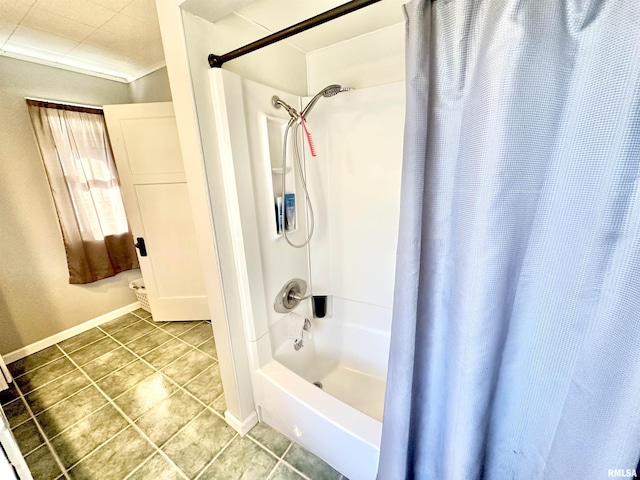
(279, 261)
(374, 58)
(36, 300)
(279, 65)
(151, 88)
(355, 180)
(355, 187)
(354, 183)
(187, 41)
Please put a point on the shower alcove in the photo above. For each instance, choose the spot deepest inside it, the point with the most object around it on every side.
(232, 134)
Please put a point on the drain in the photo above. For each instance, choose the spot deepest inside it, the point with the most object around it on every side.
(318, 384)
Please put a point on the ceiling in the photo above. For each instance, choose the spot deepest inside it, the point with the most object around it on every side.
(120, 39)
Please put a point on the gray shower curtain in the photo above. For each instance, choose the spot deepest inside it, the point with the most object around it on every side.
(515, 350)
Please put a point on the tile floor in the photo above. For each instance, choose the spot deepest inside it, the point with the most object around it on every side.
(134, 399)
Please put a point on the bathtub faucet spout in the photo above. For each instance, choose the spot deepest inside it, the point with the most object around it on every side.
(298, 343)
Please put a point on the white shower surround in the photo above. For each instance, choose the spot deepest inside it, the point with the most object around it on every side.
(354, 184)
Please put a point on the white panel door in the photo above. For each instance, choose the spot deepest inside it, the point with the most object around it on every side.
(144, 138)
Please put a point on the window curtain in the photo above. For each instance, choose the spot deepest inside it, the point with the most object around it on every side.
(516, 324)
(84, 182)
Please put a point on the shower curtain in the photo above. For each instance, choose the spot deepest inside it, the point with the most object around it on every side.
(516, 329)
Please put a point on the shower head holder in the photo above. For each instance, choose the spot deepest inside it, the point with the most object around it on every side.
(277, 102)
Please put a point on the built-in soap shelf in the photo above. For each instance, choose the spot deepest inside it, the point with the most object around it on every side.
(278, 170)
(275, 128)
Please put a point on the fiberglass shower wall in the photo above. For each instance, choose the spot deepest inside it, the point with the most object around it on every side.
(355, 179)
(355, 188)
(354, 185)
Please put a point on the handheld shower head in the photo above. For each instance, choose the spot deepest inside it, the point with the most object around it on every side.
(331, 90)
(328, 91)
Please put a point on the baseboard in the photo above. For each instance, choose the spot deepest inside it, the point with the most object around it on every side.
(68, 333)
(241, 427)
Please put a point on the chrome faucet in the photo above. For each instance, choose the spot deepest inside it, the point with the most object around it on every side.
(298, 342)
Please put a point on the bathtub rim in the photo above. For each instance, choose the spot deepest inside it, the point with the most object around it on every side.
(340, 414)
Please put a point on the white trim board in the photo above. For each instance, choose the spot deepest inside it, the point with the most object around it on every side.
(68, 333)
(241, 427)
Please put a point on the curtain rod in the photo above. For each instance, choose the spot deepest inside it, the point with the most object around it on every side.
(59, 104)
(352, 6)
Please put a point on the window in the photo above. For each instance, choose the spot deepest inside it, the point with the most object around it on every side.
(77, 157)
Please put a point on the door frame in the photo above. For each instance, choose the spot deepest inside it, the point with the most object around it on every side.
(208, 194)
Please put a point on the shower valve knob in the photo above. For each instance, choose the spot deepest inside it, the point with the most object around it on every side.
(290, 296)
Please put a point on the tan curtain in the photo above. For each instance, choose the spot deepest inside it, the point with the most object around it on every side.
(84, 182)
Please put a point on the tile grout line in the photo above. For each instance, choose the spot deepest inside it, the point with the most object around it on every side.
(122, 367)
(199, 322)
(264, 447)
(77, 422)
(110, 335)
(207, 407)
(142, 464)
(185, 342)
(65, 354)
(216, 399)
(299, 472)
(47, 443)
(279, 459)
(139, 316)
(96, 341)
(210, 338)
(39, 413)
(78, 367)
(275, 467)
(36, 415)
(213, 460)
(182, 428)
(180, 387)
(164, 376)
(282, 461)
(127, 419)
(215, 362)
(15, 377)
(157, 449)
(93, 383)
(187, 392)
(72, 466)
(178, 432)
(136, 357)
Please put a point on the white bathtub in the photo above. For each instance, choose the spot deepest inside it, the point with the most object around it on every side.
(342, 422)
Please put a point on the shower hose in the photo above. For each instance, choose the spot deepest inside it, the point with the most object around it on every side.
(295, 123)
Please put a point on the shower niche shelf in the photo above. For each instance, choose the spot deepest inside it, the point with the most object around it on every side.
(274, 132)
(278, 170)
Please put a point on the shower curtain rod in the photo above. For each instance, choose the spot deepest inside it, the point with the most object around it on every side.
(352, 6)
